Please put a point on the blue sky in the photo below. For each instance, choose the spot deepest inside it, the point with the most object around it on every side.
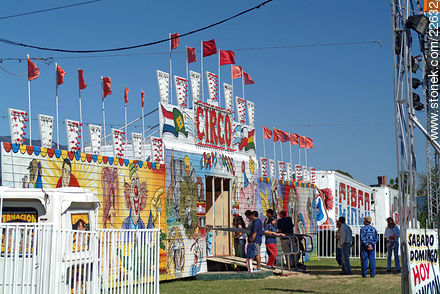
(340, 96)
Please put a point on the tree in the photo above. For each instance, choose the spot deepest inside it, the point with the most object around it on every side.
(344, 173)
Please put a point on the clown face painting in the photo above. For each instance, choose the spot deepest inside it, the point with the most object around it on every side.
(135, 194)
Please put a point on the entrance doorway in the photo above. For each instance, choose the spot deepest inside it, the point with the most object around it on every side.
(218, 213)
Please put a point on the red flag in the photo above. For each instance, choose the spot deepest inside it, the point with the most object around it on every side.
(81, 83)
(309, 143)
(142, 97)
(237, 71)
(247, 79)
(227, 57)
(125, 94)
(279, 135)
(191, 54)
(302, 142)
(33, 71)
(174, 41)
(294, 139)
(267, 133)
(106, 86)
(209, 48)
(60, 75)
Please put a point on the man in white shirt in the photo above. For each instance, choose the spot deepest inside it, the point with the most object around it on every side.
(392, 234)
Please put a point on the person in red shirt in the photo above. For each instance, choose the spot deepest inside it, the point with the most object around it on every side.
(67, 179)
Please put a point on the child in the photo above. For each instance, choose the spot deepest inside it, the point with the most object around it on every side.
(271, 241)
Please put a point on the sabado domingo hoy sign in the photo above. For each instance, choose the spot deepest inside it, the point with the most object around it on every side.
(423, 261)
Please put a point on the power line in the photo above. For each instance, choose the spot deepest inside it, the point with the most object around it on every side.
(50, 59)
(134, 46)
(48, 9)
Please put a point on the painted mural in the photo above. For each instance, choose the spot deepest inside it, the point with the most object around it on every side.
(130, 191)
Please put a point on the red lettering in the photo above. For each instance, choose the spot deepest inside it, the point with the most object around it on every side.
(360, 198)
(353, 197)
(416, 274)
(212, 124)
(207, 124)
(367, 201)
(221, 139)
(426, 266)
(228, 131)
(342, 192)
(200, 134)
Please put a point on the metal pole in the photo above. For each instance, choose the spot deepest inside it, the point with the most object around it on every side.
(81, 121)
(219, 87)
(201, 69)
(103, 111)
(281, 151)
(242, 82)
(305, 155)
(29, 110)
(56, 106)
(264, 144)
(213, 215)
(171, 75)
(125, 118)
(143, 124)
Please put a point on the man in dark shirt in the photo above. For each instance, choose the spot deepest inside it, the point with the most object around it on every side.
(256, 237)
(285, 226)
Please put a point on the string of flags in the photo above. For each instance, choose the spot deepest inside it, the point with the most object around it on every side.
(283, 136)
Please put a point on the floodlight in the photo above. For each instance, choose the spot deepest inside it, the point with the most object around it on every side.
(416, 83)
(416, 102)
(418, 23)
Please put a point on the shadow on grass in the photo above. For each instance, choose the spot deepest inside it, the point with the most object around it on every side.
(289, 290)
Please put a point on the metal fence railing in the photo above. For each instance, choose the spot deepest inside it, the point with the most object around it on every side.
(326, 245)
(36, 258)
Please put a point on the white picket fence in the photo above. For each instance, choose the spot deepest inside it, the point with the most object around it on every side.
(36, 258)
(326, 245)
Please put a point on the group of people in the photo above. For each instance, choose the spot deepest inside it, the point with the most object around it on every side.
(271, 228)
(368, 238)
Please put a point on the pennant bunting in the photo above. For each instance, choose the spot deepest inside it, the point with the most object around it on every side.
(263, 167)
(237, 71)
(81, 83)
(33, 70)
(106, 86)
(272, 168)
(136, 141)
(247, 79)
(267, 133)
(279, 135)
(251, 112)
(60, 75)
(157, 154)
(209, 48)
(227, 57)
(191, 53)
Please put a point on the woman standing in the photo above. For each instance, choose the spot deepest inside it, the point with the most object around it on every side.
(239, 238)
(271, 241)
(392, 234)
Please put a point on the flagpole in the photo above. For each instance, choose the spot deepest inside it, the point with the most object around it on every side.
(187, 75)
(29, 109)
(232, 84)
(56, 106)
(125, 117)
(281, 151)
(143, 124)
(274, 149)
(201, 68)
(81, 120)
(103, 112)
(264, 144)
(290, 151)
(242, 82)
(171, 75)
(299, 155)
(219, 84)
(305, 155)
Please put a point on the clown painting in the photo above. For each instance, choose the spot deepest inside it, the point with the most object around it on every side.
(135, 194)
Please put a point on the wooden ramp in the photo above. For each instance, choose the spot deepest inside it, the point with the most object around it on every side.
(232, 267)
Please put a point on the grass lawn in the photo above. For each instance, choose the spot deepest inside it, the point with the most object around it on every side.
(322, 277)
